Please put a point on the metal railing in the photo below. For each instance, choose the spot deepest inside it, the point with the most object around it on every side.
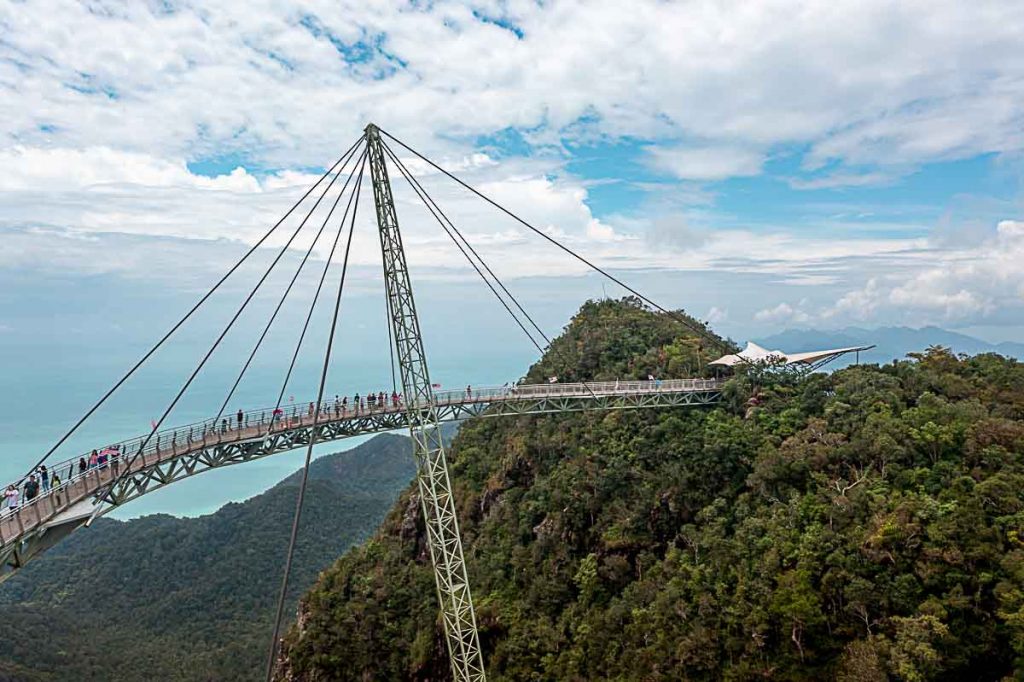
(78, 482)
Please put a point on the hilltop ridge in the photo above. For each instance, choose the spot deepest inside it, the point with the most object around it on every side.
(860, 525)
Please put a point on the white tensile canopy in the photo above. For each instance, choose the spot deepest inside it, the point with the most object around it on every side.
(755, 353)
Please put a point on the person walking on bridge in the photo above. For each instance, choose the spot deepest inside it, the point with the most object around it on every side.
(241, 417)
(55, 484)
(82, 466)
(31, 488)
(11, 497)
(44, 476)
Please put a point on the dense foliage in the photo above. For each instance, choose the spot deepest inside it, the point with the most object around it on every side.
(165, 598)
(863, 525)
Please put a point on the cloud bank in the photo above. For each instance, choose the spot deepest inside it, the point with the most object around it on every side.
(109, 114)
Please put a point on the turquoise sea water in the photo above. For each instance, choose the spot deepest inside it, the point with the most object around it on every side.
(64, 345)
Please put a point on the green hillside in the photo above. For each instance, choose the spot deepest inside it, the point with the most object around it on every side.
(165, 598)
(864, 525)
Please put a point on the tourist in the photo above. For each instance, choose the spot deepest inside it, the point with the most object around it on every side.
(241, 418)
(94, 458)
(11, 497)
(223, 425)
(55, 483)
(81, 465)
(44, 476)
(31, 488)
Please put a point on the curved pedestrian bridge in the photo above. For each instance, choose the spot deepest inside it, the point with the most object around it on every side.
(133, 468)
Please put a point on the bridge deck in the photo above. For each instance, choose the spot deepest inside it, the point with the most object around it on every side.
(183, 451)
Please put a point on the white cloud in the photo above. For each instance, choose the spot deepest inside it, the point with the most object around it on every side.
(716, 315)
(706, 163)
(102, 111)
(99, 190)
(971, 285)
(781, 314)
(82, 169)
(1010, 231)
(288, 83)
(844, 180)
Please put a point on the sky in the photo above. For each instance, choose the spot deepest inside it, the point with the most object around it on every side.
(761, 165)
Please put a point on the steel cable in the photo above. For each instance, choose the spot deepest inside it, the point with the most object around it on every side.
(700, 331)
(313, 435)
(422, 192)
(187, 315)
(316, 297)
(428, 203)
(248, 299)
(287, 291)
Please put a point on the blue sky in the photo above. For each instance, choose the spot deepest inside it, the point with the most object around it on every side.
(763, 166)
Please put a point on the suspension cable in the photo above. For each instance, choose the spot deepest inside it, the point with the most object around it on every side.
(220, 338)
(430, 207)
(391, 340)
(287, 291)
(316, 297)
(313, 434)
(187, 315)
(699, 330)
(423, 193)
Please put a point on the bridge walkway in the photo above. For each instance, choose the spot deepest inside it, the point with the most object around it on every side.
(177, 453)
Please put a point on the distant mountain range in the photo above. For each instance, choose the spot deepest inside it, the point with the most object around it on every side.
(891, 343)
(167, 598)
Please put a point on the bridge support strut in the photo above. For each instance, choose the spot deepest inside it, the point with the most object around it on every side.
(435, 488)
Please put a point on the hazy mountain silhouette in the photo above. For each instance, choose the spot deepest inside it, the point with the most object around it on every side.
(892, 342)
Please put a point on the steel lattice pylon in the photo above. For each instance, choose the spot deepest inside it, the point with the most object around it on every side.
(435, 487)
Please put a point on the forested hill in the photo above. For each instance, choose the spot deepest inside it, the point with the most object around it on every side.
(863, 525)
(165, 598)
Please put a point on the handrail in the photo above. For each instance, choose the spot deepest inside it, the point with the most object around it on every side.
(70, 473)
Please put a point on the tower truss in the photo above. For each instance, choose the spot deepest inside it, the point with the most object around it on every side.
(434, 483)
